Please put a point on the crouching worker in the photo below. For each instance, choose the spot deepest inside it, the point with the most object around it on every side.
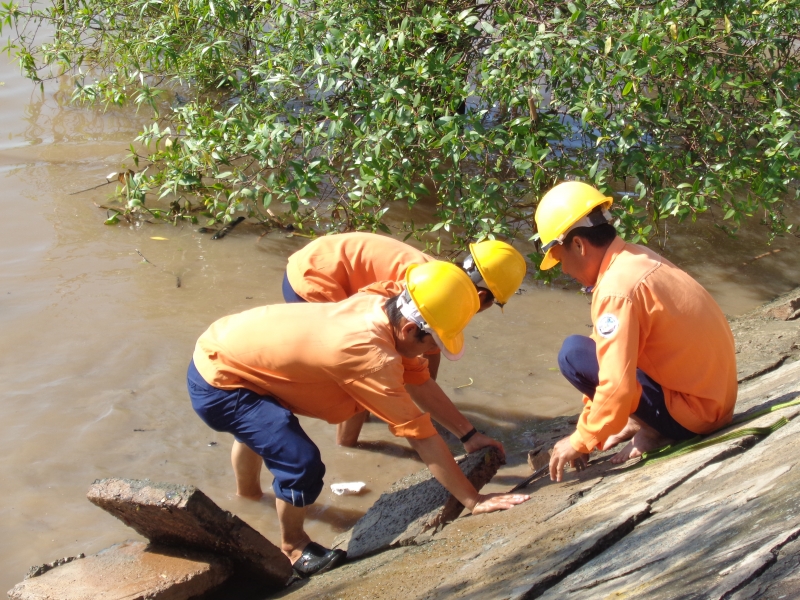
(253, 372)
(660, 365)
(334, 267)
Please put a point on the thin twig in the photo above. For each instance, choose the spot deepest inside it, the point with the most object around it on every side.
(90, 189)
(144, 257)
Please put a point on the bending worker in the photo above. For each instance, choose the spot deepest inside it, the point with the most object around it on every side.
(660, 364)
(334, 267)
(254, 371)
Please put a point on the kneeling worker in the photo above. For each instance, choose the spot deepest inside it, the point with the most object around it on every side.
(660, 365)
(252, 372)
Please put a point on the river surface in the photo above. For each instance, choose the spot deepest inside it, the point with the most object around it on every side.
(95, 341)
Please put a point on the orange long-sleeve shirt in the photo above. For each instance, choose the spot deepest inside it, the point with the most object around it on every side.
(328, 361)
(334, 267)
(647, 313)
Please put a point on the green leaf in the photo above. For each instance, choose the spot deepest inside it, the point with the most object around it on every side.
(463, 14)
(627, 89)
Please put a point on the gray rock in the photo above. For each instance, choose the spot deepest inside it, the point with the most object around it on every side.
(415, 507)
(182, 516)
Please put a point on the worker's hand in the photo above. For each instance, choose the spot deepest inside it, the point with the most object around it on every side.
(479, 440)
(491, 502)
(564, 453)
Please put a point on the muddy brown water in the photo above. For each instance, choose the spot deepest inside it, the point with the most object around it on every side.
(95, 341)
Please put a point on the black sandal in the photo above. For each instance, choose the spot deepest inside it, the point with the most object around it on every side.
(317, 559)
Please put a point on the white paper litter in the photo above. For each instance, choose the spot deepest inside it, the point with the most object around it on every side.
(348, 489)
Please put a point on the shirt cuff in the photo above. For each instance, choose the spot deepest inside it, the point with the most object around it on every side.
(579, 445)
(417, 429)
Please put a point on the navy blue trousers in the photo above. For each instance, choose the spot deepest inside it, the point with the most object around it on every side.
(577, 361)
(289, 295)
(267, 428)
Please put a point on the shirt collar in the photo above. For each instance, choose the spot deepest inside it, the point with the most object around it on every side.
(613, 250)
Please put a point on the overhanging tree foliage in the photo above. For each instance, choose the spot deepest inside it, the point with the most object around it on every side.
(338, 108)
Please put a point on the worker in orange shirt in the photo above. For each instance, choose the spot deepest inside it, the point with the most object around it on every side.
(334, 267)
(660, 365)
(252, 372)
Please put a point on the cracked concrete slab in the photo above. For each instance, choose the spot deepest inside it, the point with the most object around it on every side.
(529, 548)
(780, 580)
(128, 571)
(547, 544)
(183, 516)
(711, 536)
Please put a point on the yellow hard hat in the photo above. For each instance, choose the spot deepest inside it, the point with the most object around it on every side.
(445, 299)
(563, 208)
(499, 266)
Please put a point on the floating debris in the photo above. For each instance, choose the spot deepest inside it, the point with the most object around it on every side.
(465, 385)
(227, 229)
(143, 256)
(121, 176)
(348, 489)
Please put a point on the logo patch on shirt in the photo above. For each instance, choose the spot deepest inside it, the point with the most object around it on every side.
(607, 324)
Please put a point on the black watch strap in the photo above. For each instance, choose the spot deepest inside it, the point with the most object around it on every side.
(466, 437)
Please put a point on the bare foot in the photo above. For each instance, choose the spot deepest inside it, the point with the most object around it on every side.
(644, 440)
(630, 430)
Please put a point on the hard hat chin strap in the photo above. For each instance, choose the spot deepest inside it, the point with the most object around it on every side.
(410, 311)
(471, 269)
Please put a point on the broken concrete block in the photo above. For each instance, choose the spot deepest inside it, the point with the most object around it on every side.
(183, 516)
(786, 311)
(415, 506)
(785, 307)
(128, 571)
(538, 459)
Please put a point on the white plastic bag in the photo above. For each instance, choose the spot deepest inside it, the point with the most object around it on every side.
(350, 488)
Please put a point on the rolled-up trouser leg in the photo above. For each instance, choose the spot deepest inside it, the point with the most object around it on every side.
(577, 361)
(289, 295)
(268, 429)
